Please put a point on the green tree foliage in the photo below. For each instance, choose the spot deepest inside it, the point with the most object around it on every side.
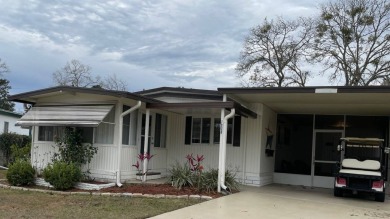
(273, 54)
(9, 139)
(4, 92)
(4, 89)
(353, 41)
(20, 153)
(71, 148)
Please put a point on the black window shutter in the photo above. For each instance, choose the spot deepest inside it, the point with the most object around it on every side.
(237, 131)
(187, 139)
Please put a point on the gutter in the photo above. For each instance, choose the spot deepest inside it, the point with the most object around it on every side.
(222, 151)
(118, 173)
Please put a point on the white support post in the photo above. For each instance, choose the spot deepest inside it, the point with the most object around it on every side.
(145, 167)
(118, 176)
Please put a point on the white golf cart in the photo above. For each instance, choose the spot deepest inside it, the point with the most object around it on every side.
(363, 168)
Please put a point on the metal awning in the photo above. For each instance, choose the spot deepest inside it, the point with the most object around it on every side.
(74, 115)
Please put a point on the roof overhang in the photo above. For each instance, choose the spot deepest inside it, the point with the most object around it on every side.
(32, 96)
(80, 116)
(193, 107)
(373, 100)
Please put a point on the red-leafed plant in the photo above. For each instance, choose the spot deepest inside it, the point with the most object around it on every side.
(139, 166)
(195, 164)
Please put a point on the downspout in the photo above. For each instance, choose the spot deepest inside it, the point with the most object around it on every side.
(220, 145)
(222, 149)
(118, 173)
(145, 168)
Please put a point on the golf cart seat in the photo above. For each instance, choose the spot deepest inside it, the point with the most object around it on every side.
(362, 165)
(367, 167)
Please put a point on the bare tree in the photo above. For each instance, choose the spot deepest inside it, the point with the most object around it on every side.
(353, 41)
(112, 82)
(75, 74)
(3, 67)
(273, 54)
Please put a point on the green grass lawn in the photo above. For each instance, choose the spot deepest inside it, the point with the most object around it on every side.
(23, 204)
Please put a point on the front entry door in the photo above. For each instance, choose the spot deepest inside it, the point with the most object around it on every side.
(324, 157)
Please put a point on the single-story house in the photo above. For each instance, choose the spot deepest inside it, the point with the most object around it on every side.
(267, 135)
(8, 119)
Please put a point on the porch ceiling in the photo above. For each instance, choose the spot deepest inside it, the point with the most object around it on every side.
(322, 103)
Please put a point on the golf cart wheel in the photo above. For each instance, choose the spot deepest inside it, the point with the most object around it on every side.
(380, 197)
(337, 192)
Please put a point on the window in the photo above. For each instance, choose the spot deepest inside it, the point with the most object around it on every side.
(160, 131)
(217, 130)
(86, 134)
(233, 131)
(129, 129)
(105, 131)
(201, 130)
(6, 124)
(49, 133)
(198, 130)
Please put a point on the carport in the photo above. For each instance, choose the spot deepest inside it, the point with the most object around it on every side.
(310, 122)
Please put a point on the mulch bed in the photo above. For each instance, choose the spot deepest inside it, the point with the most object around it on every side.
(152, 189)
(155, 189)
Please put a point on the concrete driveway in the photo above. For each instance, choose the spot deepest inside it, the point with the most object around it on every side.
(283, 201)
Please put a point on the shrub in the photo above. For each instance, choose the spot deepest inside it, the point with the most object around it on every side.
(230, 180)
(181, 175)
(191, 174)
(72, 150)
(9, 139)
(23, 153)
(210, 180)
(20, 173)
(62, 175)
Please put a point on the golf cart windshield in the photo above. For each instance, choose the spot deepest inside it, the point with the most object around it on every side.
(362, 148)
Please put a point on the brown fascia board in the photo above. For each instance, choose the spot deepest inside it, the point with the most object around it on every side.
(207, 105)
(311, 89)
(244, 90)
(185, 95)
(177, 89)
(23, 96)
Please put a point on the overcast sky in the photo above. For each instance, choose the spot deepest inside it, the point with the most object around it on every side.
(187, 43)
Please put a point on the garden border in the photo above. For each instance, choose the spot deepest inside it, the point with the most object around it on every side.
(132, 195)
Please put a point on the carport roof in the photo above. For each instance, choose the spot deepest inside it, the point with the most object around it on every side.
(368, 100)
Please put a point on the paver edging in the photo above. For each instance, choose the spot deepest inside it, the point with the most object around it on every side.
(108, 194)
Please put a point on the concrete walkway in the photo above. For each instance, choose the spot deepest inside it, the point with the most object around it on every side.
(282, 201)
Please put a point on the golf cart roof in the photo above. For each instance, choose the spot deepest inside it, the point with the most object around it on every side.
(364, 141)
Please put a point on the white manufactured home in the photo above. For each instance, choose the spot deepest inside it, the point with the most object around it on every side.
(265, 135)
